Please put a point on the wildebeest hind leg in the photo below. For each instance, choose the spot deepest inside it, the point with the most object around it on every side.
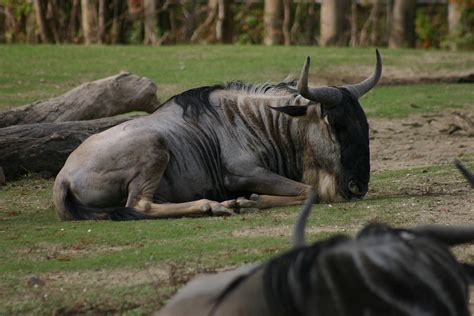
(195, 208)
(143, 186)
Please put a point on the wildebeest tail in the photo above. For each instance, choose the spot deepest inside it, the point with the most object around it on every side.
(68, 208)
(450, 235)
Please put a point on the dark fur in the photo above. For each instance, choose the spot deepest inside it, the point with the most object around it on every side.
(347, 118)
(384, 271)
(352, 133)
(80, 212)
(195, 102)
(219, 146)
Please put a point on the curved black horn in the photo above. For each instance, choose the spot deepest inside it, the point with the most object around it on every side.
(450, 235)
(299, 229)
(361, 88)
(324, 95)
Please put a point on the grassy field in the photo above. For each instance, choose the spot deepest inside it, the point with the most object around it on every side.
(52, 267)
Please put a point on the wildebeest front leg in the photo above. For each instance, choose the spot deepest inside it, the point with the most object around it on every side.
(273, 190)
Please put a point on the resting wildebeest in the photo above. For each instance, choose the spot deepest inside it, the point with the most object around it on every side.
(382, 271)
(206, 147)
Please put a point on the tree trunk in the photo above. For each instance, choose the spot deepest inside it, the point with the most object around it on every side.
(44, 147)
(334, 22)
(311, 24)
(286, 22)
(40, 9)
(102, 21)
(454, 21)
(89, 21)
(73, 20)
(114, 33)
(2, 24)
(376, 23)
(225, 22)
(106, 97)
(199, 33)
(403, 24)
(372, 24)
(150, 22)
(454, 16)
(295, 31)
(173, 33)
(53, 18)
(353, 41)
(388, 22)
(10, 24)
(272, 20)
(191, 12)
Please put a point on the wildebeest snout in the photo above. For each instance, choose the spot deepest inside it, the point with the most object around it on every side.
(356, 188)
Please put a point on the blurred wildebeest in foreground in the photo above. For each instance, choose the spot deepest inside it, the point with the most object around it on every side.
(206, 147)
(382, 271)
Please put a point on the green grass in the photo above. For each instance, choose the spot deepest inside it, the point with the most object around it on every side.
(30, 73)
(100, 267)
(34, 232)
(401, 101)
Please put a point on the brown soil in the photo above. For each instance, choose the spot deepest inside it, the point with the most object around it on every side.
(421, 140)
(47, 251)
(391, 76)
(286, 230)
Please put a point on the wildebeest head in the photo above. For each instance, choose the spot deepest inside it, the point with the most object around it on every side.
(339, 112)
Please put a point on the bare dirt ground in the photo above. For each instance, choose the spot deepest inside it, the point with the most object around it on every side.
(392, 76)
(421, 140)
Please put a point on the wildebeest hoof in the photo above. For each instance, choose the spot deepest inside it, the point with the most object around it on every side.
(219, 210)
(244, 203)
(255, 197)
(206, 208)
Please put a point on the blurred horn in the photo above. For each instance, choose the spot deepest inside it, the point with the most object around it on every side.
(466, 173)
(450, 235)
(300, 225)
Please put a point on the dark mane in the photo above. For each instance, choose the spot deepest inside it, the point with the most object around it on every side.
(262, 88)
(378, 265)
(195, 102)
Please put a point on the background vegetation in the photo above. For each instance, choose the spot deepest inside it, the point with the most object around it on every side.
(394, 23)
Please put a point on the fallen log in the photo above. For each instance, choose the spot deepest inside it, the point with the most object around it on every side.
(44, 147)
(106, 97)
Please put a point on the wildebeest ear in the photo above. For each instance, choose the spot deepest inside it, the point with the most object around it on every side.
(292, 110)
